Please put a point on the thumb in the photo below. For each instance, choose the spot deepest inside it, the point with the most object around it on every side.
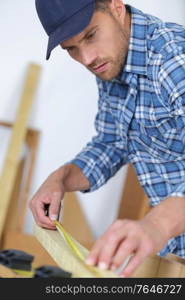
(54, 208)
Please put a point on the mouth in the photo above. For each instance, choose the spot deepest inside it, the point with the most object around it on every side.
(101, 68)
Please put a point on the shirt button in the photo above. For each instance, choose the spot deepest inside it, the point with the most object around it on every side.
(180, 111)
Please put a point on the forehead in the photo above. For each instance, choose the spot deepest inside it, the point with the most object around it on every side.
(96, 20)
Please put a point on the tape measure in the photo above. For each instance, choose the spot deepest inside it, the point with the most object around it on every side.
(20, 262)
(75, 250)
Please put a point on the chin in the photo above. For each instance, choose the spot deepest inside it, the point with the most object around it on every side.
(108, 76)
(105, 78)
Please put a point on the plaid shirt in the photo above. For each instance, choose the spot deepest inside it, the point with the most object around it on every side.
(141, 116)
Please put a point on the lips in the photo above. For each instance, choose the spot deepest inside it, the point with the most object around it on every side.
(100, 68)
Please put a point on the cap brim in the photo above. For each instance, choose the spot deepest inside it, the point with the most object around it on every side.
(71, 27)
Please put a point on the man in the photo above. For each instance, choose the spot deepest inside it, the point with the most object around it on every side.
(139, 63)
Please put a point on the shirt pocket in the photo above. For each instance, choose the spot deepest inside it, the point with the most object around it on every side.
(163, 139)
(173, 132)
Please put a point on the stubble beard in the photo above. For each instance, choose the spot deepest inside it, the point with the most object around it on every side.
(117, 63)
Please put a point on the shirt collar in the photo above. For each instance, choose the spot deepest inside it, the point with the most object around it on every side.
(136, 60)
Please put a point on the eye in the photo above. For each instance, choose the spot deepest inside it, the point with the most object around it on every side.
(91, 35)
(70, 49)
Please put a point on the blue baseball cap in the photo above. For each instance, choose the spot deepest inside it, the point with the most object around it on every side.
(63, 19)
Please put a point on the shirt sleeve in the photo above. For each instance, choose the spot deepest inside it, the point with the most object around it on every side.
(104, 155)
(172, 86)
(171, 78)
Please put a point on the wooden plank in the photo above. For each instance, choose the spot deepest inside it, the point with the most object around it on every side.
(169, 269)
(182, 273)
(153, 266)
(12, 217)
(18, 135)
(6, 124)
(134, 202)
(149, 268)
(173, 257)
(77, 226)
(74, 221)
(59, 250)
(32, 140)
(6, 272)
(18, 203)
(158, 267)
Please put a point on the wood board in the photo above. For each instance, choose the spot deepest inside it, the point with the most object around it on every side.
(74, 220)
(153, 266)
(57, 247)
(17, 138)
(133, 202)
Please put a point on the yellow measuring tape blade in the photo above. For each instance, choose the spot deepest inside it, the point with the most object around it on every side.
(75, 249)
(24, 273)
(69, 241)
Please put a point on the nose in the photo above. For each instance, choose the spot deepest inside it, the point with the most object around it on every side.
(88, 56)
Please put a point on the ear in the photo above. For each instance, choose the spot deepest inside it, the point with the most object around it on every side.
(118, 9)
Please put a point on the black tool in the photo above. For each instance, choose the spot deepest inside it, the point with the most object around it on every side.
(16, 259)
(50, 271)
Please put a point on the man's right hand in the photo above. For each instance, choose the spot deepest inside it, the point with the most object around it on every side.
(67, 178)
(50, 193)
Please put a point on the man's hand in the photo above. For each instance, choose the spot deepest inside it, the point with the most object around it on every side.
(50, 193)
(140, 238)
(123, 238)
(68, 178)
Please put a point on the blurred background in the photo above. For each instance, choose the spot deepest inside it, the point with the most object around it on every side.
(66, 101)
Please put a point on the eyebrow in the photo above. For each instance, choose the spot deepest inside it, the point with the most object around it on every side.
(85, 36)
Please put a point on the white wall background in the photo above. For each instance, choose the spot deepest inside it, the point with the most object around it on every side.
(66, 101)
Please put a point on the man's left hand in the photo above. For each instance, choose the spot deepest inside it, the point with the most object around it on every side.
(123, 238)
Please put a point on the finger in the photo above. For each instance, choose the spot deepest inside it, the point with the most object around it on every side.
(126, 248)
(36, 218)
(133, 264)
(109, 249)
(92, 258)
(54, 207)
(33, 209)
(42, 222)
(114, 234)
(145, 249)
(42, 219)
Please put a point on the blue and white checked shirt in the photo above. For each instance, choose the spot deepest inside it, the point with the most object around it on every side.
(141, 116)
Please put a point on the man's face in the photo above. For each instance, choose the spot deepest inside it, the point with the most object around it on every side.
(102, 47)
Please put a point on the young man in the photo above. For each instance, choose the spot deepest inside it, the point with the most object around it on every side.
(139, 63)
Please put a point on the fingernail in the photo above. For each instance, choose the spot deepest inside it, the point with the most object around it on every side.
(102, 266)
(53, 217)
(113, 268)
(122, 276)
(89, 262)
